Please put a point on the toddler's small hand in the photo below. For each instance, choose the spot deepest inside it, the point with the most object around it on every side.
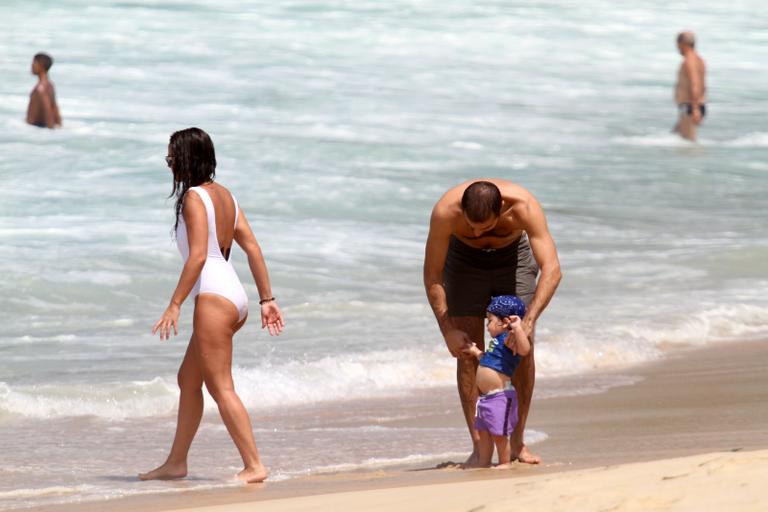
(514, 325)
(513, 322)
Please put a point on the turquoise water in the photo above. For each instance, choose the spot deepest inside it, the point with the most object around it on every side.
(338, 126)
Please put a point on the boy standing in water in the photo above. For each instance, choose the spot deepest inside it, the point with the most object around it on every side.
(42, 110)
(496, 415)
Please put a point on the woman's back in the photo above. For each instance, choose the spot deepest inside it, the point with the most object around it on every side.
(225, 214)
(221, 212)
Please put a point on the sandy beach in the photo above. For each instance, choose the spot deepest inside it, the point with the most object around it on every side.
(689, 435)
(715, 481)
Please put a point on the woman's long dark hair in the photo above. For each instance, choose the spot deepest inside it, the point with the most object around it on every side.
(194, 163)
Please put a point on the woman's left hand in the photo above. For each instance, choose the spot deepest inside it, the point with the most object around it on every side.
(272, 318)
(169, 319)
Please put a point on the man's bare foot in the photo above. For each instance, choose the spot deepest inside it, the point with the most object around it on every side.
(472, 460)
(253, 475)
(525, 456)
(506, 465)
(167, 471)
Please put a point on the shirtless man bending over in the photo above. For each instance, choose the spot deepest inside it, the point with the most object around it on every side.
(488, 238)
(42, 110)
(690, 88)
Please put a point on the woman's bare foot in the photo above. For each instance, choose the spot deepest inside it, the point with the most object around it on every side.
(506, 465)
(167, 471)
(525, 456)
(253, 475)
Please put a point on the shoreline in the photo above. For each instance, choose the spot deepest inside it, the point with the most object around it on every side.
(668, 413)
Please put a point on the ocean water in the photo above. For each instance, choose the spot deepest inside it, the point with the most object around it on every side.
(338, 125)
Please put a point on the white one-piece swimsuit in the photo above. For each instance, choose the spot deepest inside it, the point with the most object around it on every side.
(218, 275)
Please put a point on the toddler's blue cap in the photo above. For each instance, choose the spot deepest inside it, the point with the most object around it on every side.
(506, 305)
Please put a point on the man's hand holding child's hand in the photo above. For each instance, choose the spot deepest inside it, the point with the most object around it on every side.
(471, 350)
(513, 325)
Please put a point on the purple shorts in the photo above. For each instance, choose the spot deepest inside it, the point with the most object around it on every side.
(497, 413)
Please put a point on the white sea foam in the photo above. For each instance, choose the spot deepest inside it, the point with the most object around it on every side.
(45, 491)
(380, 373)
(661, 140)
(116, 401)
(385, 373)
(89, 493)
(724, 323)
(622, 345)
(751, 140)
(389, 373)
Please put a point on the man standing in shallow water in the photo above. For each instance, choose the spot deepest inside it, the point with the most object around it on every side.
(690, 89)
(42, 110)
(488, 238)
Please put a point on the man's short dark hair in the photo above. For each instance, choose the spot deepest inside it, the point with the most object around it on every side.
(44, 60)
(481, 201)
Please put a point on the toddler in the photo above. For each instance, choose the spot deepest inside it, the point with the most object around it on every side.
(496, 414)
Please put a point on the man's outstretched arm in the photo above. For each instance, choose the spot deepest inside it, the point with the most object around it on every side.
(434, 261)
(545, 253)
(435, 253)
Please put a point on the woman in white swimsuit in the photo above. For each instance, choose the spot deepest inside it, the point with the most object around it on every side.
(208, 220)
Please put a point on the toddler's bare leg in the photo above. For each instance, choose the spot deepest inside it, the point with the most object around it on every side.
(504, 450)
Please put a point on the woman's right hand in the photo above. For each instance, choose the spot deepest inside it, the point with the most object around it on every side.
(169, 319)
